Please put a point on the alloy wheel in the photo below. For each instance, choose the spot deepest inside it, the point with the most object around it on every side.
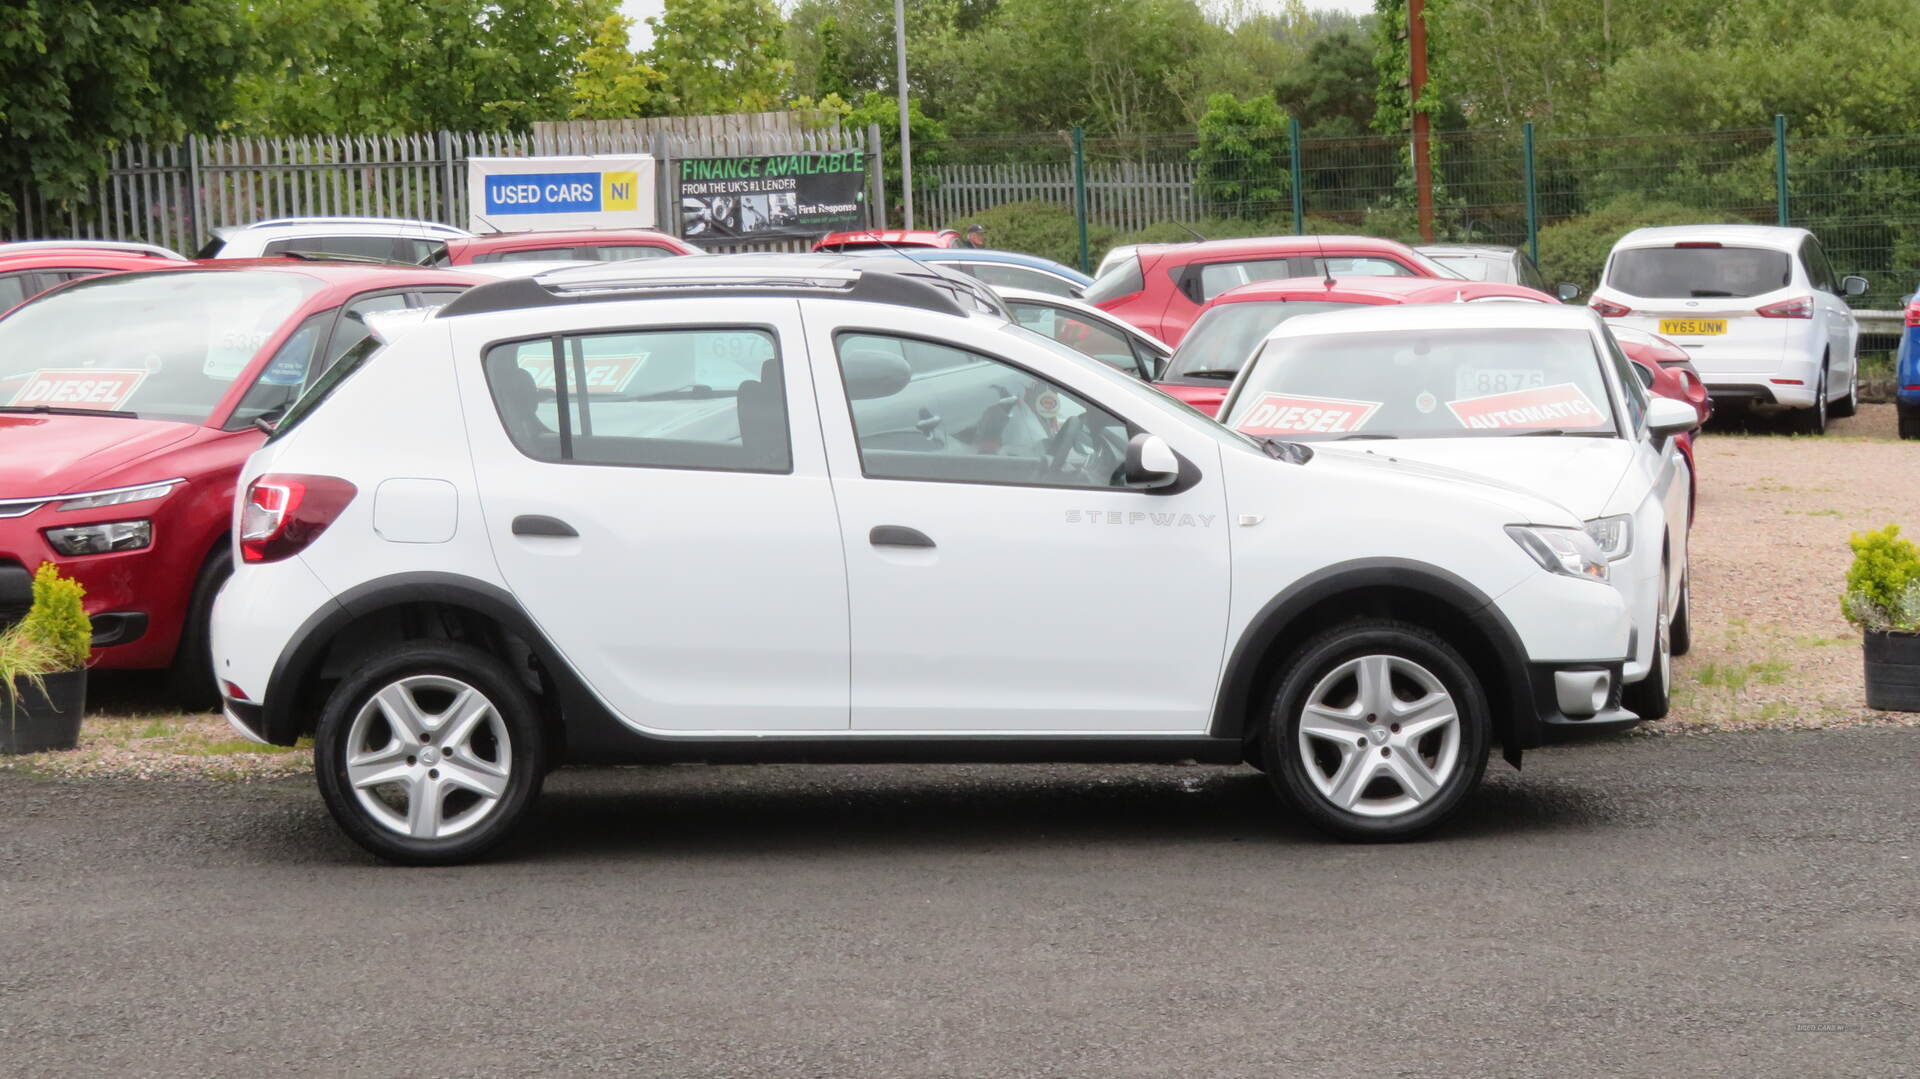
(428, 757)
(1379, 736)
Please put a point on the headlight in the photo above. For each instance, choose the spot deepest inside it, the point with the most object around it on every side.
(119, 496)
(1613, 535)
(102, 538)
(1561, 550)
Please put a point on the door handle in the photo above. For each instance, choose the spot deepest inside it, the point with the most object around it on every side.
(898, 536)
(538, 524)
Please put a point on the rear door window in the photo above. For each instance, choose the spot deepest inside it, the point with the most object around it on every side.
(1218, 277)
(1699, 272)
(1360, 266)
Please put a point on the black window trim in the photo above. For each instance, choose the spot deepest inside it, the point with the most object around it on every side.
(779, 353)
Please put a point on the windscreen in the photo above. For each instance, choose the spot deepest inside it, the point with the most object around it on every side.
(161, 345)
(1442, 383)
(1699, 272)
(1224, 336)
(1470, 267)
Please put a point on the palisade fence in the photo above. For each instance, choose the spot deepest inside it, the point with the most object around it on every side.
(1568, 198)
(175, 195)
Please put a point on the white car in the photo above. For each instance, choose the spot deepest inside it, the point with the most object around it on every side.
(1088, 330)
(627, 513)
(387, 239)
(1535, 395)
(1759, 308)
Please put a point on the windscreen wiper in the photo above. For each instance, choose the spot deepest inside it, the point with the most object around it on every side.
(1224, 376)
(1358, 435)
(58, 411)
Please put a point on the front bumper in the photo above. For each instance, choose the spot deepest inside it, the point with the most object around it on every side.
(1560, 718)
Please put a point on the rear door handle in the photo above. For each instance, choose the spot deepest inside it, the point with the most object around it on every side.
(539, 524)
(898, 536)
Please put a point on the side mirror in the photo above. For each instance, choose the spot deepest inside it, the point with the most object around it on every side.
(1151, 463)
(1666, 416)
(1567, 290)
(1853, 285)
(871, 373)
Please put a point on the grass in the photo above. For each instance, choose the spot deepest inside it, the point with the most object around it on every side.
(1814, 513)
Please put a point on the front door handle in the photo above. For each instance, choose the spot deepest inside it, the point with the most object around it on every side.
(539, 524)
(898, 536)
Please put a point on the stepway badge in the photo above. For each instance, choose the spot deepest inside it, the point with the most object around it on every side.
(559, 192)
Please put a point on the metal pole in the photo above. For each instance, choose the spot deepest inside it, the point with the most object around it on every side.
(1422, 163)
(1533, 199)
(900, 83)
(1080, 190)
(1780, 164)
(1293, 169)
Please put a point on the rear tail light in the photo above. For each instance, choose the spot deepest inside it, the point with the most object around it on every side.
(282, 514)
(1798, 307)
(1913, 313)
(1608, 309)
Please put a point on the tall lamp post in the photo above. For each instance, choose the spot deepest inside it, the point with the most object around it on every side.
(900, 84)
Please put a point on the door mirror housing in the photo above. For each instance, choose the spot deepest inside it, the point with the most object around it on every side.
(1666, 416)
(873, 373)
(1853, 285)
(1151, 463)
(1567, 291)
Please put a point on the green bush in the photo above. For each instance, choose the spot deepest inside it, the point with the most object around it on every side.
(1883, 584)
(1576, 249)
(1047, 229)
(58, 619)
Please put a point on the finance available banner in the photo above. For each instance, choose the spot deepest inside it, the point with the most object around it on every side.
(772, 195)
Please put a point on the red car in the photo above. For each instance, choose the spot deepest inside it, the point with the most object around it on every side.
(584, 245)
(1234, 323)
(128, 404)
(1667, 369)
(871, 239)
(28, 269)
(1161, 287)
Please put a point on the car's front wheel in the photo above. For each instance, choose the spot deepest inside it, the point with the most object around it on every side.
(429, 756)
(1652, 697)
(1378, 730)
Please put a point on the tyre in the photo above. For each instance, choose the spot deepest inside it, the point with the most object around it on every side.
(1680, 633)
(1850, 404)
(1813, 421)
(429, 756)
(1378, 730)
(1652, 696)
(190, 680)
(1909, 420)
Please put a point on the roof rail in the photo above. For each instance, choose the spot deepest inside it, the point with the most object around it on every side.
(450, 230)
(587, 287)
(123, 246)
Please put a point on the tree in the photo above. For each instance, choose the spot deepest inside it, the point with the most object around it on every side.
(721, 56)
(613, 83)
(1331, 90)
(1243, 156)
(79, 78)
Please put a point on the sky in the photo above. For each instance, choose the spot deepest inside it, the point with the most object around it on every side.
(640, 10)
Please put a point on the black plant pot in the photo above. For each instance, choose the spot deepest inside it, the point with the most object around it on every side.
(46, 718)
(1893, 670)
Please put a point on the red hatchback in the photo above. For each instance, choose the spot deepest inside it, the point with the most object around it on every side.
(1234, 323)
(885, 239)
(583, 245)
(28, 269)
(1667, 369)
(1161, 287)
(128, 404)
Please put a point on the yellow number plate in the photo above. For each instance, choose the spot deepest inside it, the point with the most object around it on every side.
(1693, 325)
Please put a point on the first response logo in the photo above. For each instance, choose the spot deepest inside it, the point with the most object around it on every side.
(561, 192)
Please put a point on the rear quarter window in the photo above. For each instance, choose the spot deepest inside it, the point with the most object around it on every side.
(1124, 279)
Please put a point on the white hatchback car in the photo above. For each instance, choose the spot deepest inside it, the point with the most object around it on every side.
(1759, 308)
(386, 239)
(635, 513)
(1536, 395)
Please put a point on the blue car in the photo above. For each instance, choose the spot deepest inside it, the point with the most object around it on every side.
(1906, 372)
(1007, 268)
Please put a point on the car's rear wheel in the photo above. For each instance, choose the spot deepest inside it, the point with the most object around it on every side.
(430, 756)
(1909, 420)
(1850, 404)
(1813, 421)
(1680, 633)
(1651, 697)
(1378, 730)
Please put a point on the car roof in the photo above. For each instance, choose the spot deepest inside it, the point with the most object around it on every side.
(1773, 236)
(343, 226)
(1278, 245)
(347, 275)
(70, 249)
(560, 238)
(1005, 258)
(1388, 289)
(1468, 250)
(920, 237)
(1436, 316)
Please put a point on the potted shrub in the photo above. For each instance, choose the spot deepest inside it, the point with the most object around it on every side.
(1883, 599)
(43, 668)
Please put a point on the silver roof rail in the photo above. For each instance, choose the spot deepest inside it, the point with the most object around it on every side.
(123, 246)
(435, 226)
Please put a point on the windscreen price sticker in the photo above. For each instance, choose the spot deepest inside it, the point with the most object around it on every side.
(1561, 405)
(1296, 414)
(103, 388)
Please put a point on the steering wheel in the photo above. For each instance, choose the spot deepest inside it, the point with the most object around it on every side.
(1078, 434)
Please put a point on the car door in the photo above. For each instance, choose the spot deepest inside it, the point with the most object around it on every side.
(999, 581)
(657, 501)
(1836, 315)
(1659, 460)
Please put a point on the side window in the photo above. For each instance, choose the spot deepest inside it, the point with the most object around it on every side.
(1218, 277)
(1530, 275)
(969, 418)
(1632, 392)
(1820, 270)
(13, 289)
(432, 299)
(278, 384)
(622, 252)
(534, 254)
(1360, 266)
(707, 398)
(1103, 343)
(352, 328)
(998, 275)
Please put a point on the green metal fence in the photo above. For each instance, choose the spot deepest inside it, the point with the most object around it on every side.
(1567, 199)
